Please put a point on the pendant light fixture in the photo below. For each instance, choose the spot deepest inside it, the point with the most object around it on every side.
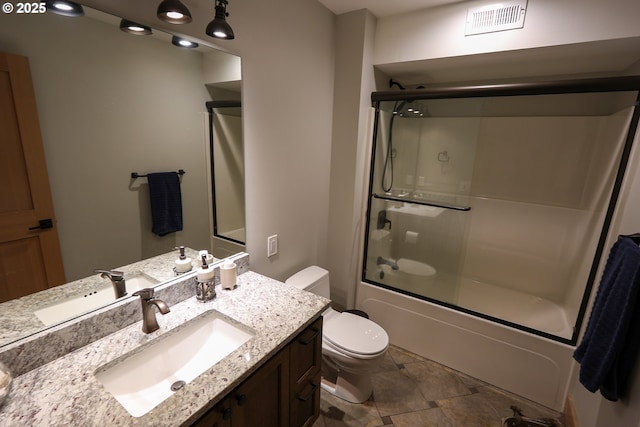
(174, 12)
(134, 28)
(219, 28)
(65, 8)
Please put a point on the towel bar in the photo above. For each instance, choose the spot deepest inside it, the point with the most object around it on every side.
(135, 175)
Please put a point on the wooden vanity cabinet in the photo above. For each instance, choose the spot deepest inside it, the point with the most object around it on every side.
(304, 370)
(284, 392)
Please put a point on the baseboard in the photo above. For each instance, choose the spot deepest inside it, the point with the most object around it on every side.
(570, 419)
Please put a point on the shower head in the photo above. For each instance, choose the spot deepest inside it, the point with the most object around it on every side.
(410, 109)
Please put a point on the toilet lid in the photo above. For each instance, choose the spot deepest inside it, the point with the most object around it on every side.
(416, 268)
(355, 334)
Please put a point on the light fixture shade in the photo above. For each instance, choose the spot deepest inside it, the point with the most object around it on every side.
(219, 28)
(174, 12)
(65, 8)
(134, 28)
(180, 42)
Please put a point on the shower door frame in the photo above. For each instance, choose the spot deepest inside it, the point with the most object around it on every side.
(591, 85)
(211, 106)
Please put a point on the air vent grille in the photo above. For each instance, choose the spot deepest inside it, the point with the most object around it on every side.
(496, 17)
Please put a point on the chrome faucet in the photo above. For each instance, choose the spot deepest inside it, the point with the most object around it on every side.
(390, 263)
(148, 300)
(117, 280)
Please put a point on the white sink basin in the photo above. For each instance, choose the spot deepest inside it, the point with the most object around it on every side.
(138, 281)
(83, 303)
(143, 380)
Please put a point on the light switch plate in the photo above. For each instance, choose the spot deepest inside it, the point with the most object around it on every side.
(272, 245)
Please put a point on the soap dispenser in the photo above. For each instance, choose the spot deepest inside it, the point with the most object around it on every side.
(205, 285)
(207, 254)
(183, 263)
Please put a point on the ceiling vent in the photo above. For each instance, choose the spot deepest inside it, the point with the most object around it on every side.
(496, 17)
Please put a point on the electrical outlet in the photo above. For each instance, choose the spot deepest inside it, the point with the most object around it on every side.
(272, 245)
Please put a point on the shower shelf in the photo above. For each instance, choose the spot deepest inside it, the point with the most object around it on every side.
(423, 202)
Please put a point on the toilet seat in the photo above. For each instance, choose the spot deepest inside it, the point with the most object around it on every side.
(355, 336)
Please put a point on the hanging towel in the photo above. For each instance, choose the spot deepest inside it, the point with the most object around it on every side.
(610, 344)
(166, 202)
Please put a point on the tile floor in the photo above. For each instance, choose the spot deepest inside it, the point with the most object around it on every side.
(410, 391)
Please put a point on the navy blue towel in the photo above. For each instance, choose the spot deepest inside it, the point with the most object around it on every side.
(609, 346)
(166, 202)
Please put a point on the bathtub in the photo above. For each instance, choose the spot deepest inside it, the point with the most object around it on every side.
(529, 365)
(515, 307)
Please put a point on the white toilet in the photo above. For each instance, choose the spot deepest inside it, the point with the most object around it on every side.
(351, 345)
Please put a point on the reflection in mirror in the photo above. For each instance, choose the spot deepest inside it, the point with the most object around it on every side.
(110, 104)
(227, 176)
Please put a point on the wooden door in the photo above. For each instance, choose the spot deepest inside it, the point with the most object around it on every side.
(30, 258)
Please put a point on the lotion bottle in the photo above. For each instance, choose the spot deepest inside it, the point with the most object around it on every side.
(205, 273)
(183, 263)
(205, 286)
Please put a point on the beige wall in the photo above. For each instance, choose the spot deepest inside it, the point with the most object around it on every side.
(349, 151)
(287, 50)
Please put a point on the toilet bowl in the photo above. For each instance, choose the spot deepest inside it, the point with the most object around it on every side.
(411, 275)
(351, 345)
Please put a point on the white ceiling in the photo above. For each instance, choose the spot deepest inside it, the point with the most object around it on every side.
(382, 8)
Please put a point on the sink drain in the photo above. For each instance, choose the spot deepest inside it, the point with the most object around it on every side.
(177, 385)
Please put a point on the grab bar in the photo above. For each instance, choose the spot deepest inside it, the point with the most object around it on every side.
(423, 203)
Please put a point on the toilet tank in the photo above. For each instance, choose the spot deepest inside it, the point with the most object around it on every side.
(312, 279)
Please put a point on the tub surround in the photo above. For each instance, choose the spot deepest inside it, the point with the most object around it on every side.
(66, 392)
(17, 316)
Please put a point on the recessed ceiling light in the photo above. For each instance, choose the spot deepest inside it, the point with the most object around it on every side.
(134, 28)
(65, 8)
(180, 42)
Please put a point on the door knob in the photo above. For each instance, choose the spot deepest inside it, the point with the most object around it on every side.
(43, 224)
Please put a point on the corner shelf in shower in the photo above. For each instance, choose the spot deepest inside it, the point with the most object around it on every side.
(421, 202)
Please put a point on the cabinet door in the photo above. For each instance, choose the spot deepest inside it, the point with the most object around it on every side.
(263, 399)
(218, 416)
(305, 360)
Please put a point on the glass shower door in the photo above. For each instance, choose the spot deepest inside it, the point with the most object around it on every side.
(495, 205)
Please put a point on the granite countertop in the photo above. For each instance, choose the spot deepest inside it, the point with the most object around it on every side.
(65, 391)
(17, 318)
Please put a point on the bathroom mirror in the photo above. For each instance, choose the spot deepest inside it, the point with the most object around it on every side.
(111, 104)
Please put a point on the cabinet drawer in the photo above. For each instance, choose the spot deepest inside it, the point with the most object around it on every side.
(305, 404)
(306, 354)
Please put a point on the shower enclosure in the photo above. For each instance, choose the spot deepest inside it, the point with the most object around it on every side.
(496, 200)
